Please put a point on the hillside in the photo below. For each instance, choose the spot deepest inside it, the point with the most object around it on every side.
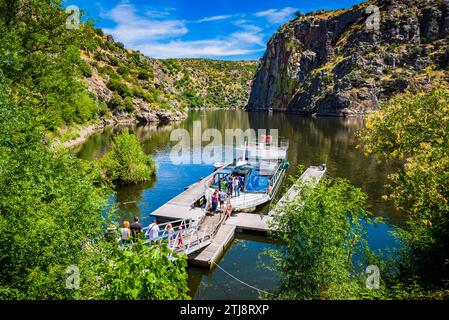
(129, 84)
(330, 63)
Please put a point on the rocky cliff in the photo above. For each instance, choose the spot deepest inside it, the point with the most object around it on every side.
(339, 63)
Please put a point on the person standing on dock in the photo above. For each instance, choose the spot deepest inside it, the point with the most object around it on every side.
(229, 209)
(171, 234)
(214, 202)
(222, 198)
(125, 233)
(241, 183)
(223, 185)
(153, 231)
(136, 229)
(179, 237)
(229, 185)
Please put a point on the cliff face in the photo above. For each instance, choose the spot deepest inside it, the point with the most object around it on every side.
(331, 63)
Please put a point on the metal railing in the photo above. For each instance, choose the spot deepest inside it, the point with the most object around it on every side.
(185, 235)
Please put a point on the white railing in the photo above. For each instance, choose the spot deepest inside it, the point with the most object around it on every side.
(186, 235)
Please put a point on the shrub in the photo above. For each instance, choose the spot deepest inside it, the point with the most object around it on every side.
(85, 69)
(126, 163)
(119, 87)
(128, 104)
(116, 102)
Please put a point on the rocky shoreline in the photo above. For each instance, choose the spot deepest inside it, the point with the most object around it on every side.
(143, 118)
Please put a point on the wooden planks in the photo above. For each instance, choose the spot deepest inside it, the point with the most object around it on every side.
(181, 206)
(215, 250)
(251, 222)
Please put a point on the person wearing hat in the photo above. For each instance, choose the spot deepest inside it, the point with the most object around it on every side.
(111, 234)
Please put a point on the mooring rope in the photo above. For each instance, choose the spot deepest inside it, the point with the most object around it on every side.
(242, 282)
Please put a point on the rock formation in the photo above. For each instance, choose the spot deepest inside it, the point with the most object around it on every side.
(339, 63)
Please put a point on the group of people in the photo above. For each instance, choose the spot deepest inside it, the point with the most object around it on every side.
(218, 200)
(232, 185)
(131, 233)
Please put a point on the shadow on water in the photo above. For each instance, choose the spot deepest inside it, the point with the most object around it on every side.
(313, 141)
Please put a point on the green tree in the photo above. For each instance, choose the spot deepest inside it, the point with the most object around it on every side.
(414, 130)
(145, 272)
(126, 163)
(50, 210)
(322, 233)
(40, 58)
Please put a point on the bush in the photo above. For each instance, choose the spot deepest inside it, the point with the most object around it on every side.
(126, 163)
(120, 87)
(145, 75)
(321, 232)
(99, 32)
(128, 104)
(85, 69)
(116, 102)
(413, 129)
(192, 99)
(86, 108)
(145, 273)
(123, 70)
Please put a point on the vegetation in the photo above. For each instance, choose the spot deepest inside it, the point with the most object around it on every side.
(324, 230)
(323, 234)
(138, 274)
(52, 205)
(414, 129)
(126, 163)
(40, 58)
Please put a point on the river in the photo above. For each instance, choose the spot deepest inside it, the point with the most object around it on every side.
(313, 141)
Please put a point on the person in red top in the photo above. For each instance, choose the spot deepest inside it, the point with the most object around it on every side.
(180, 243)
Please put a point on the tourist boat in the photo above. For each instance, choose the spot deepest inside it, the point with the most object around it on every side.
(262, 167)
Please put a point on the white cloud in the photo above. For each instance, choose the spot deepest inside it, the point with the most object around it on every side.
(162, 13)
(131, 29)
(215, 18)
(198, 48)
(276, 16)
(156, 35)
(237, 43)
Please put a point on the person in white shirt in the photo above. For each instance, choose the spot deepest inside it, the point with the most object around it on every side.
(153, 231)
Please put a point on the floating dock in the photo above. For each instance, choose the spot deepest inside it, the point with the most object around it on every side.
(222, 232)
(182, 206)
(212, 253)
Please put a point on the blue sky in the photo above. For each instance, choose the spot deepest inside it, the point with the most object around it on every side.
(218, 29)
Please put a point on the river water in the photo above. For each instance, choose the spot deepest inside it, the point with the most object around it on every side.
(312, 141)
